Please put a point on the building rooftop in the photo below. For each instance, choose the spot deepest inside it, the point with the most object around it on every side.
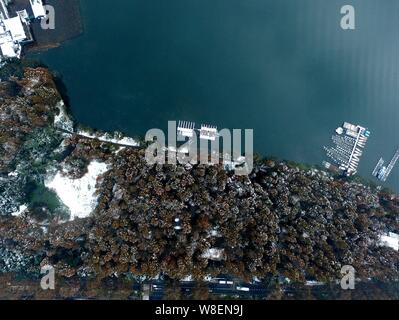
(15, 27)
(38, 9)
(8, 50)
(12, 33)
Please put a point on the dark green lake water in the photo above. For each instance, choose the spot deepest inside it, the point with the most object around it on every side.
(282, 67)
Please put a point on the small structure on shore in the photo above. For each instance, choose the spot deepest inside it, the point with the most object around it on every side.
(215, 254)
(208, 132)
(13, 34)
(15, 28)
(186, 129)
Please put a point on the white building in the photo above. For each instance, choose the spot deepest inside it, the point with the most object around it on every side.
(214, 254)
(39, 12)
(16, 28)
(186, 129)
(12, 33)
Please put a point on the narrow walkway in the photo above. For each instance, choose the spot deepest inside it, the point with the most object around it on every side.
(96, 138)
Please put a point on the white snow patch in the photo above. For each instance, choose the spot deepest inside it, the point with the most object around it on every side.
(61, 147)
(391, 240)
(78, 194)
(215, 233)
(21, 209)
(62, 120)
(126, 141)
(45, 229)
(213, 254)
(13, 174)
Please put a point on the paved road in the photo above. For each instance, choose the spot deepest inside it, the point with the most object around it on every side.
(255, 290)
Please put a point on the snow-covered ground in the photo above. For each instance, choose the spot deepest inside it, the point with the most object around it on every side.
(21, 209)
(78, 194)
(62, 120)
(213, 254)
(126, 141)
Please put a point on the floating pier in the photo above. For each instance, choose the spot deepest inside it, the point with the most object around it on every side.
(206, 132)
(349, 142)
(186, 129)
(382, 172)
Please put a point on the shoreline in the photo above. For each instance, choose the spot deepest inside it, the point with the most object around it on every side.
(296, 204)
(374, 185)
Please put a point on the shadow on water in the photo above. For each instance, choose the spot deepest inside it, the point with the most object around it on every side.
(62, 88)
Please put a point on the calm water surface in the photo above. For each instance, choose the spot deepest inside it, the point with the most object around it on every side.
(282, 67)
